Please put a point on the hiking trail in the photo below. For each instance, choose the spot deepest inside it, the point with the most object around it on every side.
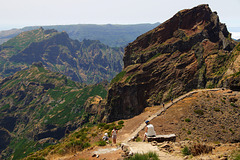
(131, 129)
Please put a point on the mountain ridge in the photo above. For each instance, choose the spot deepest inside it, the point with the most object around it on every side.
(109, 34)
(78, 60)
(37, 104)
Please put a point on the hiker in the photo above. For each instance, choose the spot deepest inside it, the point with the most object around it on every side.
(114, 135)
(149, 131)
(105, 137)
(172, 100)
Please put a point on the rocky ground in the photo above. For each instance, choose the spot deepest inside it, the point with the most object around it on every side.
(208, 116)
(211, 113)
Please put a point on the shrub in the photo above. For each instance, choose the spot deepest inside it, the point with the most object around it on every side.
(199, 111)
(232, 104)
(223, 101)
(216, 109)
(146, 156)
(120, 122)
(86, 145)
(101, 143)
(101, 125)
(138, 139)
(198, 149)
(118, 127)
(189, 132)
(230, 129)
(94, 134)
(106, 126)
(224, 131)
(186, 151)
(187, 120)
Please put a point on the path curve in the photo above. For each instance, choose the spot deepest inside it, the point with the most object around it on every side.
(143, 147)
(142, 125)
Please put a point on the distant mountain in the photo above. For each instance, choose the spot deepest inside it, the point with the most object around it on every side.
(87, 61)
(189, 51)
(38, 106)
(111, 35)
(8, 34)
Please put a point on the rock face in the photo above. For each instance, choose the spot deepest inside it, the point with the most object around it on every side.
(88, 61)
(190, 50)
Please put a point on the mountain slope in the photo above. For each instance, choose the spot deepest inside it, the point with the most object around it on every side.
(36, 104)
(111, 35)
(190, 50)
(204, 115)
(87, 61)
(201, 116)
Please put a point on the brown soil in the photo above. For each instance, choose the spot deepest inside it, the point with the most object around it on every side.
(216, 123)
(213, 115)
(88, 154)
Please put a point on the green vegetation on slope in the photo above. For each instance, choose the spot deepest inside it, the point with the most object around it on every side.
(37, 100)
(25, 39)
(77, 141)
(111, 35)
(88, 61)
(146, 156)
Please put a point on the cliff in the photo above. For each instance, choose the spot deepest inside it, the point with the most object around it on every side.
(190, 50)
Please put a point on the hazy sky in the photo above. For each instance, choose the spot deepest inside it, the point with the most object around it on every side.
(20, 13)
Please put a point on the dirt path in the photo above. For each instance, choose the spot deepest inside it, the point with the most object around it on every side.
(131, 128)
(143, 147)
(158, 113)
(132, 125)
(136, 124)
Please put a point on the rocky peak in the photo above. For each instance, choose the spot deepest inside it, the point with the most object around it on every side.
(191, 50)
(191, 25)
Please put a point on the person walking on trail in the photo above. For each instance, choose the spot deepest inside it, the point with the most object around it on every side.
(149, 131)
(114, 135)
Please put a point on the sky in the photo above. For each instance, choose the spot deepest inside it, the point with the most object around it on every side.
(21, 13)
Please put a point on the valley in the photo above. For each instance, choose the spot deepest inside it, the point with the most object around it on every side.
(88, 61)
(58, 96)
